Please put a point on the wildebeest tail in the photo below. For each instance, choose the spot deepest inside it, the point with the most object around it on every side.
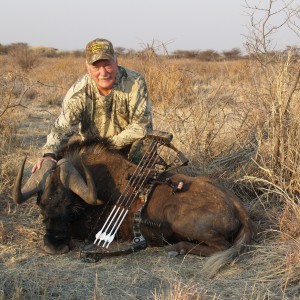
(218, 260)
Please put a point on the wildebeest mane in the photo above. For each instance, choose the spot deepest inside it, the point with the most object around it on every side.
(77, 147)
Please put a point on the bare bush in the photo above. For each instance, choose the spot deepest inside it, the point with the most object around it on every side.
(234, 53)
(186, 53)
(277, 90)
(4, 49)
(23, 56)
(274, 92)
(209, 55)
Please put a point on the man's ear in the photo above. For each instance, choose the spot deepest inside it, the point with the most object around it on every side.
(88, 67)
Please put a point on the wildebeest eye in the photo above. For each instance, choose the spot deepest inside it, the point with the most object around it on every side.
(77, 209)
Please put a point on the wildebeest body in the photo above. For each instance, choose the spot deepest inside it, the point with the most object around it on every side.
(202, 219)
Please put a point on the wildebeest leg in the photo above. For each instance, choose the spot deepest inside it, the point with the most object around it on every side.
(184, 247)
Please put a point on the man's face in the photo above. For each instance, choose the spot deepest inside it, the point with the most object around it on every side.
(104, 73)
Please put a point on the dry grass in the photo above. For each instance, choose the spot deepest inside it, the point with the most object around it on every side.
(224, 118)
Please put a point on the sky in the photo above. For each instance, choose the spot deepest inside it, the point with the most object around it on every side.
(219, 25)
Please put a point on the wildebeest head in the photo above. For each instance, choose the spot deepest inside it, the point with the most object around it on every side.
(55, 185)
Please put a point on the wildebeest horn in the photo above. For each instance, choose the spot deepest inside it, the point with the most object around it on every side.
(72, 179)
(34, 184)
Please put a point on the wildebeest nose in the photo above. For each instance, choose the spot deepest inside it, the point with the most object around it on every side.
(59, 236)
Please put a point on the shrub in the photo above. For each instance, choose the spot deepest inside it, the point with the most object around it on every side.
(25, 57)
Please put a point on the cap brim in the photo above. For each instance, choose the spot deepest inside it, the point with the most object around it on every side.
(95, 58)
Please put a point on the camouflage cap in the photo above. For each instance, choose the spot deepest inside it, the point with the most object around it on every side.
(99, 49)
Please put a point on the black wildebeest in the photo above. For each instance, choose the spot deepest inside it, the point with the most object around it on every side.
(203, 219)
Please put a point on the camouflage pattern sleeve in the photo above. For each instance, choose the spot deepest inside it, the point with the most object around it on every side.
(140, 116)
(70, 116)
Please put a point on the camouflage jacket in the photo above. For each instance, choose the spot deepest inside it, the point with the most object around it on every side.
(124, 115)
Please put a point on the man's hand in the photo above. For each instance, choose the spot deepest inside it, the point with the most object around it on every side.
(39, 163)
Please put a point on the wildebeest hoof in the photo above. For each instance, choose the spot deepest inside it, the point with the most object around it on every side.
(49, 249)
(91, 247)
(182, 252)
(173, 253)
